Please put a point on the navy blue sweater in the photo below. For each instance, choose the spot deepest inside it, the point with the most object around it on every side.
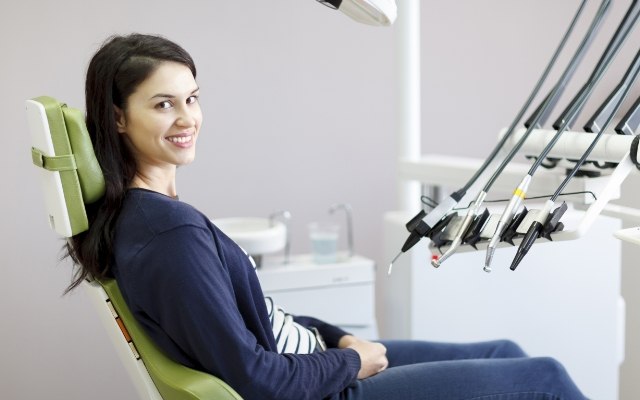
(198, 297)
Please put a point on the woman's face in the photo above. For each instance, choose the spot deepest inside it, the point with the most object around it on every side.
(162, 118)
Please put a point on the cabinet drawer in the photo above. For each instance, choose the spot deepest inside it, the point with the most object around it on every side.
(344, 305)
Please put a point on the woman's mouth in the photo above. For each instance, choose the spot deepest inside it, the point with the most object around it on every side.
(181, 140)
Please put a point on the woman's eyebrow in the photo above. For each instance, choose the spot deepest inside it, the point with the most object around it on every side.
(169, 96)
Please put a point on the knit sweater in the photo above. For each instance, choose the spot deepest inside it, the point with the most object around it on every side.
(197, 295)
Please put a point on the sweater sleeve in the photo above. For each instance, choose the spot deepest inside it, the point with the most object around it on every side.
(186, 288)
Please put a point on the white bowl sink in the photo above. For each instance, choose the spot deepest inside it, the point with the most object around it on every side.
(256, 236)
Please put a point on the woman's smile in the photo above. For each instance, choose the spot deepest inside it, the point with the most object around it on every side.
(183, 140)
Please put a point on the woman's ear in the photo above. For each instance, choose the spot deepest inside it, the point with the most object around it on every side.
(121, 122)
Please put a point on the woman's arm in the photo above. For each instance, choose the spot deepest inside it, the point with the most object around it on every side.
(330, 333)
(373, 357)
(193, 299)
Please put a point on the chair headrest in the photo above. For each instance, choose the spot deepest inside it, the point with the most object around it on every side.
(71, 174)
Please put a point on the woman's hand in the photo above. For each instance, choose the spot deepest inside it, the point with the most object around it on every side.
(373, 357)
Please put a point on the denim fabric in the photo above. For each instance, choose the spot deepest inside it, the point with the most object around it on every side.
(496, 370)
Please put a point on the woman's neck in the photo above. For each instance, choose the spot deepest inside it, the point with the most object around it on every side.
(160, 183)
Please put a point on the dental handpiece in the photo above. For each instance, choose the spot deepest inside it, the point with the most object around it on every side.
(505, 219)
(519, 194)
(473, 211)
(533, 233)
(598, 125)
(420, 226)
(424, 227)
(570, 114)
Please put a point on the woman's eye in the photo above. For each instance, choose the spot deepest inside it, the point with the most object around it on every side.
(192, 99)
(163, 105)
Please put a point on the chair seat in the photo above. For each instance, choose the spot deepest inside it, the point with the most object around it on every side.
(174, 381)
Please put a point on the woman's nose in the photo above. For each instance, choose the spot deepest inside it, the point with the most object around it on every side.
(187, 116)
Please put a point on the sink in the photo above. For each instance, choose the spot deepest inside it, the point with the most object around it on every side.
(257, 236)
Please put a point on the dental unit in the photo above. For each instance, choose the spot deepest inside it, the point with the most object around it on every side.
(561, 147)
(426, 224)
(607, 111)
(571, 113)
(534, 122)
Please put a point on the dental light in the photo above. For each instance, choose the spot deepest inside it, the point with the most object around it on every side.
(371, 12)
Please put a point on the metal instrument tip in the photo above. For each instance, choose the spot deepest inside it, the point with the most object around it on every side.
(488, 259)
(392, 261)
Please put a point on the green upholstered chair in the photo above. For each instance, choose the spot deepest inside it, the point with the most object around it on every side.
(71, 178)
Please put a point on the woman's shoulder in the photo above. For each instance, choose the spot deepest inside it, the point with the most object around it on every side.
(159, 212)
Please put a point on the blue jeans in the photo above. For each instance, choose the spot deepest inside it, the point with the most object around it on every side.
(496, 370)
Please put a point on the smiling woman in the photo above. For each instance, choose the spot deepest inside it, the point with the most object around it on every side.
(130, 129)
(196, 292)
(160, 125)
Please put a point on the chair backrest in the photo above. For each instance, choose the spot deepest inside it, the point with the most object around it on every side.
(127, 351)
(142, 358)
(71, 178)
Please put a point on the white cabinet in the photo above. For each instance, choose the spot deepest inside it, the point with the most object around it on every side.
(562, 301)
(340, 293)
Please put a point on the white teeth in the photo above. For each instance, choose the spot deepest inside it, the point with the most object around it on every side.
(180, 139)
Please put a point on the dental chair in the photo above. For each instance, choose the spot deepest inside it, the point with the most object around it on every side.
(71, 178)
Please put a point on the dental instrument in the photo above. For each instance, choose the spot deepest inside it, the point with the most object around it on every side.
(422, 224)
(604, 115)
(370, 12)
(535, 121)
(570, 113)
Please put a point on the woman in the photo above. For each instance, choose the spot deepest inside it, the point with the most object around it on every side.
(196, 292)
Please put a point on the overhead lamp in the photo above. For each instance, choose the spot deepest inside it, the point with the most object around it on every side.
(371, 12)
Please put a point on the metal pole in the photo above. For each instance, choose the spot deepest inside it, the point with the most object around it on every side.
(409, 132)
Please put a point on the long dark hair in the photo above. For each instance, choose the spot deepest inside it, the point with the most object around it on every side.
(115, 71)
